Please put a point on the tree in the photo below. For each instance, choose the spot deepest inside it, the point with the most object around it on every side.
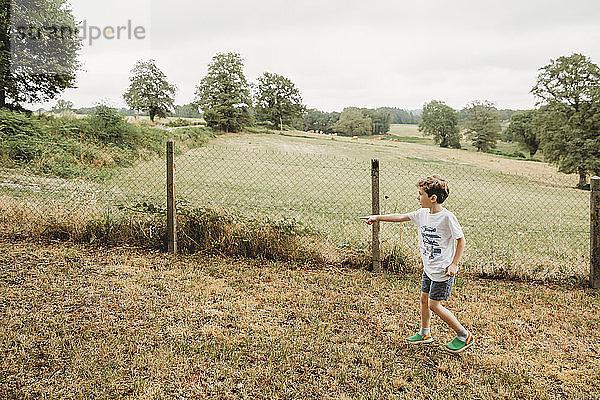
(568, 90)
(224, 95)
(38, 51)
(483, 125)
(62, 105)
(187, 111)
(441, 121)
(277, 100)
(149, 90)
(320, 121)
(353, 123)
(523, 130)
(380, 120)
(399, 116)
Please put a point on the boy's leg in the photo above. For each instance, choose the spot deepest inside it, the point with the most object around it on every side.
(445, 314)
(424, 335)
(425, 311)
(441, 291)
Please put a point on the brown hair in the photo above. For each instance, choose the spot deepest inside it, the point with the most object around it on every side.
(435, 184)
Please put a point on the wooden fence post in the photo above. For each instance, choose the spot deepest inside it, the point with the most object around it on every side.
(595, 233)
(375, 210)
(171, 210)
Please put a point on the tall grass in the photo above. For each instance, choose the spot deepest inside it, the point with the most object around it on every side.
(90, 147)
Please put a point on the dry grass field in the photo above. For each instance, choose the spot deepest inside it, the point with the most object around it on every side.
(120, 323)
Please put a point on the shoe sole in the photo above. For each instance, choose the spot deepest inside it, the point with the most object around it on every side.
(421, 341)
(460, 350)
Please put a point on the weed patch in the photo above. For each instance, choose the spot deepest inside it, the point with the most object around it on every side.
(90, 147)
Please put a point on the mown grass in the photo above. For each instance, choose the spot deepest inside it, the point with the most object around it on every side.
(80, 322)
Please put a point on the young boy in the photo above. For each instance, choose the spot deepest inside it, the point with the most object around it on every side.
(442, 242)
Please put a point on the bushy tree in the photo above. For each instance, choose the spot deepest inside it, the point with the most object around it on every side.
(277, 100)
(62, 105)
(319, 120)
(38, 50)
(482, 124)
(522, 129)
(224, 94)
(149, 90)
(187, 111)
(441, 121)
(568, 90)
(352, 122)
(380, 120)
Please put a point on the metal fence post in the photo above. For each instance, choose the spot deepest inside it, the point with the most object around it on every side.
(171, 210)
(375, 210)
(595, 233)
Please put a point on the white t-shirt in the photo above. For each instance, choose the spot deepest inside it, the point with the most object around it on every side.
(437, 240)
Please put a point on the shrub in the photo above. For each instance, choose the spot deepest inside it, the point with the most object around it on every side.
(109, 126)
(190, 137)
(93, 146)
(20, 137)
(179, 122)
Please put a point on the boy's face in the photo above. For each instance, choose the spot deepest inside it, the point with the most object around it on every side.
(424, 200)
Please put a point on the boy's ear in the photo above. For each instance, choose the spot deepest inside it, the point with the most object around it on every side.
(433, 198)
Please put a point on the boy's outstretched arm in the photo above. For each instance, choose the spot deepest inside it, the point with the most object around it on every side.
(386, 218)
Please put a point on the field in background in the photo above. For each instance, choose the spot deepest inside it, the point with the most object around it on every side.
(80, 323)
(522, 219)
(409, 133)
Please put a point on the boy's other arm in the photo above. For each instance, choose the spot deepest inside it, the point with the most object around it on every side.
(386, 218)
(460, 248)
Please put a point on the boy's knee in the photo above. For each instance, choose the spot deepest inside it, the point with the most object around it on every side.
(434, 305)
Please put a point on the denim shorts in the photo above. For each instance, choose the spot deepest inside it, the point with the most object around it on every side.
(436, 290)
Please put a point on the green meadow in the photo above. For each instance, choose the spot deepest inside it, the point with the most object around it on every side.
(522, 219)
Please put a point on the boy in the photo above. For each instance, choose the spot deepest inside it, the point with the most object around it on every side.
(442, 242)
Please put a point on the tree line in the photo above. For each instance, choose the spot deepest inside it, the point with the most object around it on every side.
(229, 103)
(352, 121)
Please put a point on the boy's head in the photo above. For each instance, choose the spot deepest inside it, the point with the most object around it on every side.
(435, 185)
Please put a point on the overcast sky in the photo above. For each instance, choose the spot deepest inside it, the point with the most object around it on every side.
(342, 53)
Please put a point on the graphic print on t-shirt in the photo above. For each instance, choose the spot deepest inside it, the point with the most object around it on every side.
(429, 240)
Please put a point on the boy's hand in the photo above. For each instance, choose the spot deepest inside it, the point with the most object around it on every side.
(370, 219)
(451, 270)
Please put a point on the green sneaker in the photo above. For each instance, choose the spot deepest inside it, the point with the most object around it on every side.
(457, 345)
(418, 339)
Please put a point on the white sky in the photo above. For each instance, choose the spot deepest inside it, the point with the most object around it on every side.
(343, 53)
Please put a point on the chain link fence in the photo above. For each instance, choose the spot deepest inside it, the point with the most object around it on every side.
(519, 225)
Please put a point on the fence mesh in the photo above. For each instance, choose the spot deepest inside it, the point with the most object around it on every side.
(532, 222)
